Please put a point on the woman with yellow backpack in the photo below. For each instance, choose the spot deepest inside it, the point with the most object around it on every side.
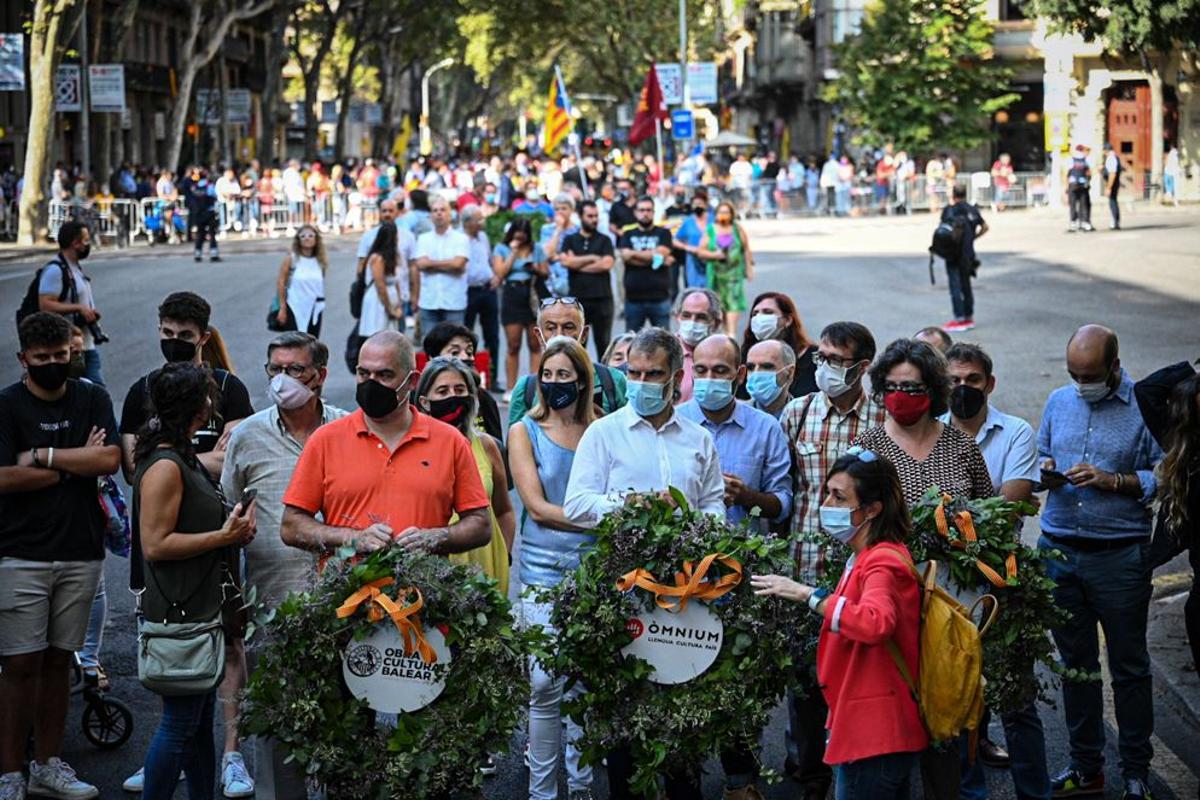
(876, 733)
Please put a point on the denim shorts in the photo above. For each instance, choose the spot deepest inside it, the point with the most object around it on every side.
(45, 604)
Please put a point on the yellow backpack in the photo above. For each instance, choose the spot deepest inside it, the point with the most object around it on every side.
(949, 689)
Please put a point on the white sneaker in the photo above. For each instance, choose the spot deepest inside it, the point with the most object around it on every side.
(235, 781)
(489, 766)
(12, 786)
(136, 781)
(56, 779)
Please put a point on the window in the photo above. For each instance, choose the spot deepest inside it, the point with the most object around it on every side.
(1010, 11)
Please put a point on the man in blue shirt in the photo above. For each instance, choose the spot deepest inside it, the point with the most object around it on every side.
(1010, 450)
(1097, 514)
(751, 445)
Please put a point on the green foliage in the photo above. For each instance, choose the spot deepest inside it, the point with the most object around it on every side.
(1019, 639)
(297, 696)
(683, 724)
(921, 74)
(495, 225)
(1125, 26)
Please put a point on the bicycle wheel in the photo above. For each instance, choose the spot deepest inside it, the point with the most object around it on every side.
(107, 723)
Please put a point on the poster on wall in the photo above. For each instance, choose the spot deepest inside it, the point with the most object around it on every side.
(68, 88)
(12, 62)
(106, 85)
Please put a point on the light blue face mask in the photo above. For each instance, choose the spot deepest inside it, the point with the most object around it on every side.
(646, 398)
(835, 521)
(764, 387)
(712, 394)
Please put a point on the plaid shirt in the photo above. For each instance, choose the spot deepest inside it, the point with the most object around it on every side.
(824, 436)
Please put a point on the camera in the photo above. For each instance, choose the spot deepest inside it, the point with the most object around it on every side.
(98, 335)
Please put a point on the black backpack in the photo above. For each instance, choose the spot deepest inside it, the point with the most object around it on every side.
(29, 303)
(948, 238)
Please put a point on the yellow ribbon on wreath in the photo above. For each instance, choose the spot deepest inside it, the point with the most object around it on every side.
(691, 582)
(406, 618)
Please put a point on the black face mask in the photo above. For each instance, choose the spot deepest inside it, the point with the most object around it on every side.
(50, 376)
(449, 409)
(375, 399)
(699, 212)
(177, 350)
(77, 367)
(966, 401)
(560, 395)
(82, 254)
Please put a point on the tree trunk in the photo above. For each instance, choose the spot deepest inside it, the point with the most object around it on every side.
(1156, 124)
(346, 87)
(48, 30)
(273, 59)
(227, 148)
(312, 113)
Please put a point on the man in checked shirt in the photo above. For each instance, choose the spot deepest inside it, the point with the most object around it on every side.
(820, 428)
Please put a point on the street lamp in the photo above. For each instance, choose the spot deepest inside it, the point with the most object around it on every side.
(426, 134)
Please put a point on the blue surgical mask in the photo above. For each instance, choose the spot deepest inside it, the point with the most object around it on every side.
(835, 521)
(764, 387)
(646, 398)
(713, 394)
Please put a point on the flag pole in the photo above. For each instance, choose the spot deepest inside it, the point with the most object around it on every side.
(659, 146)
(562, 87)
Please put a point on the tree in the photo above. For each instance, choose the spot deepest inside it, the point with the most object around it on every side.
(312, 36)
(920, 74)
(208, 26)
(48, 34)
(110, 49)
(1146, 31)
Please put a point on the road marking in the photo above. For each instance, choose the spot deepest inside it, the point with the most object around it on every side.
(1177, 775)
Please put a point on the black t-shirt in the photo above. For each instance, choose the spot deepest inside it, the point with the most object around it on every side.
(621, 215)
(643, 283)
(62, 522)
(232, 402)
(589, 285)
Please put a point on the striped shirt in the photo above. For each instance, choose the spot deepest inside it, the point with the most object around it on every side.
(818, 439)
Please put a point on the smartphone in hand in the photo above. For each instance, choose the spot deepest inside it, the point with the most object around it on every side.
(248, 497)
(1053, 479)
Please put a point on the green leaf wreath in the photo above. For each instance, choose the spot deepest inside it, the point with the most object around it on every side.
(298, 697)
(683, 724)
(1020, 637)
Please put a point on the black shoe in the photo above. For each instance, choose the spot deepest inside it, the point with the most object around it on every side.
(197, 258)
(993, 755)
(214, 259)
(1136, 789)
(1073, 783)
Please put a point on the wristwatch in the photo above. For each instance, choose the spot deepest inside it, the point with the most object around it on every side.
(816, 597)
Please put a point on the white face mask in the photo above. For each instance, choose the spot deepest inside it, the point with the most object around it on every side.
(287, 392)
(1092, 392)
(832, 380)
(764, 326)
(693, 331)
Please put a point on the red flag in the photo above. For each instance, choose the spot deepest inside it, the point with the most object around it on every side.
(650, 108)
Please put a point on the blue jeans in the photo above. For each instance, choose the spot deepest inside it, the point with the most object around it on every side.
(876, 778)
(842, 202)
(184, 740)
(639, 312)
(1027, 747)
(91, 365)
(1112, 588)
(430, 317)
(962, 298)
(89, 656)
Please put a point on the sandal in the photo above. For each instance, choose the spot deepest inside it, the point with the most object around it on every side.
(97, 678)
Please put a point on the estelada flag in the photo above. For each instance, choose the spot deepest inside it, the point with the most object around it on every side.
(650, 108)
(558, 115)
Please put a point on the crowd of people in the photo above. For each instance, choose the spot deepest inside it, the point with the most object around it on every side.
(824, 439)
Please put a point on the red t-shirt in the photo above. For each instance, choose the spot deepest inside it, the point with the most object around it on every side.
(466, 199)
(347, 474)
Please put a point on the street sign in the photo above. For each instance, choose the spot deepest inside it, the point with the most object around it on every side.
(208, 107)
(670, 81)
(12, 62)
(701, 82)
(68, 88)
(106, 86)
(682, 124)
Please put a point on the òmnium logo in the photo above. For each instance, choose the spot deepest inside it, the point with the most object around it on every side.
(679, 644)
(363, 660)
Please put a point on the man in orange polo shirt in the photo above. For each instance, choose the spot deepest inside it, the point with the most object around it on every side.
(386, 473)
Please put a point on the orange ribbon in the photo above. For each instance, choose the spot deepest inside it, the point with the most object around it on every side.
(966, 526)
(406, 618)
(691, 582)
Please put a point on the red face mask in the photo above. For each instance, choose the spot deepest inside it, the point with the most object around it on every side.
(906, 409)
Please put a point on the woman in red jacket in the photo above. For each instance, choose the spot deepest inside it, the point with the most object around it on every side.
(875, 729)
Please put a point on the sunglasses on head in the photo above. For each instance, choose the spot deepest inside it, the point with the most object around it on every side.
(566, 301)
(862, 454)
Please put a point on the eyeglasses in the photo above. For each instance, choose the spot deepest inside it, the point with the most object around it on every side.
(293, 370)
(907, 387)
(566, 301)
(862, 454)
(820, 360)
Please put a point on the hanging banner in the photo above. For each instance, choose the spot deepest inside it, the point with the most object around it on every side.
(670, 81)
(208, 107)
(106, 86)
(702, 83)
(12, 62)
(68, 88)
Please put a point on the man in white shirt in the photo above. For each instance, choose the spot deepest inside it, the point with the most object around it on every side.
(228, 192)
(483, 301)
(645, 446)
(441, 262)
(293, 190)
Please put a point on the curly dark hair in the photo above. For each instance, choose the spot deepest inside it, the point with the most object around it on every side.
(440, 335)
(177, 393)
(43, 329)
(1176, 472)
(186, 307)
(928, 361)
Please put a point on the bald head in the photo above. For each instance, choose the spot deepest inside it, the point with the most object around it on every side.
(1093, 355)
(719, 346)
(391, 347)
(774, 352)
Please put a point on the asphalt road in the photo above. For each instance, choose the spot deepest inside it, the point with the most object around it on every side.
(1037, 284)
